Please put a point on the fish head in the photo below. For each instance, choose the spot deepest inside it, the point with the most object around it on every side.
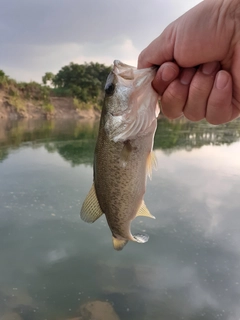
(118, 88)
(130, 103)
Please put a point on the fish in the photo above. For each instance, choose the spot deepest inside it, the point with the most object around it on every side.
(124, 155)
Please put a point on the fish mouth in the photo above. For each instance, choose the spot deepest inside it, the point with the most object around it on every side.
(123, 70)
(119, 64)
(126, 71)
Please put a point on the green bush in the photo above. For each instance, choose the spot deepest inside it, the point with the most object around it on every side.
(61, 92)
(48, 107)
(82, 105)
(17, 102)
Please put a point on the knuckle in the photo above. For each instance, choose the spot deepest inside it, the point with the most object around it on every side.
(173, 101)
(216, 102)
(173, 95)
(200, 89)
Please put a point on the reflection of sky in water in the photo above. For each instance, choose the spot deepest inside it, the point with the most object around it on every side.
(189, 269)
(195, 197)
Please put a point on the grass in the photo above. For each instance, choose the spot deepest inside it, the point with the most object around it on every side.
(82, 105)
(48, 107)
(17, 102)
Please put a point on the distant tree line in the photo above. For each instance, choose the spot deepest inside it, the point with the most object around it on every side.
(82, 81)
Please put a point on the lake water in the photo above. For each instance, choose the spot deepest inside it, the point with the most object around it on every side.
(51, 262)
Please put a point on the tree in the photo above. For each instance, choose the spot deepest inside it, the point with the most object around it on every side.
(84, 81)
(2, 74)
(48, 78)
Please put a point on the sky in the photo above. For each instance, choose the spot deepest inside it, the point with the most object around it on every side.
(39, 36)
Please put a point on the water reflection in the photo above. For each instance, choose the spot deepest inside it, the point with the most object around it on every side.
(51, 263)
(75, 140)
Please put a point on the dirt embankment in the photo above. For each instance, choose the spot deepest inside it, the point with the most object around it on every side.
(62, 108)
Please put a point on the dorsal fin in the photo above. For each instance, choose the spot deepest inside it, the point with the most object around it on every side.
(91, 210)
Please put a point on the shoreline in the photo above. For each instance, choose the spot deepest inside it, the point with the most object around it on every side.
(63, 108)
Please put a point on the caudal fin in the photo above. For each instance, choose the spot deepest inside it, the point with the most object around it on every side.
(141, 238)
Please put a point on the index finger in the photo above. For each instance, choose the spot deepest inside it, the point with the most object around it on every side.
(158, 51)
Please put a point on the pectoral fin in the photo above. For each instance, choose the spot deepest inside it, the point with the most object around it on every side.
(119, 244)
(126, 152)
(144, 212)
(91, 210)
(151, 163)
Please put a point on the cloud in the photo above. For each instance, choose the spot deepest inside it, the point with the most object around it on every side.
(123, 50)
(40, 36)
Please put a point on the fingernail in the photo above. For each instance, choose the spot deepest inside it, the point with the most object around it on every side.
(221, 80)
(186, 76)
(209, 67)
(168, 73)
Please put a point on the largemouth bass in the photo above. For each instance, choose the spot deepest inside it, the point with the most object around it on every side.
(123, 154)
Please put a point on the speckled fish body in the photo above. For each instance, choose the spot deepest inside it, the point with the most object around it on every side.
(123, 153)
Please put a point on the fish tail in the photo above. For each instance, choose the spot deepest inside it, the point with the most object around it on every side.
(140, 238)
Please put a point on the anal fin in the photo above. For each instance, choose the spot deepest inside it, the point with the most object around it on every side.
(91, 210)
(119, 244)
(144, 212)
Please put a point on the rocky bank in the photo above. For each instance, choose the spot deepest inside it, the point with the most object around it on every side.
(63, 108)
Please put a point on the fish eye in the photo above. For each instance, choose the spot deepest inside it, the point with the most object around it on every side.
(109, 90)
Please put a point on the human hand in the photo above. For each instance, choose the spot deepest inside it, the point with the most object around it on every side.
(199, 59)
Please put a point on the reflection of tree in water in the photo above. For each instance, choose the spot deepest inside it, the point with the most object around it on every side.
(18, 132)
(76, 152)
(170, 136)
(80, 148)
(182, 134)
(75, 140)
(3, 154)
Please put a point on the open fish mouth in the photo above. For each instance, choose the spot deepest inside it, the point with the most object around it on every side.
(123, 70)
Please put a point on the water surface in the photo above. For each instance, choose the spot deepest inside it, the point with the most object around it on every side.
(51, 262)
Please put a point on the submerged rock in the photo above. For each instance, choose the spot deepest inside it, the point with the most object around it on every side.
(27, 312)
(14, 297)
(16, 304)
(116, 278)
(98, 310)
